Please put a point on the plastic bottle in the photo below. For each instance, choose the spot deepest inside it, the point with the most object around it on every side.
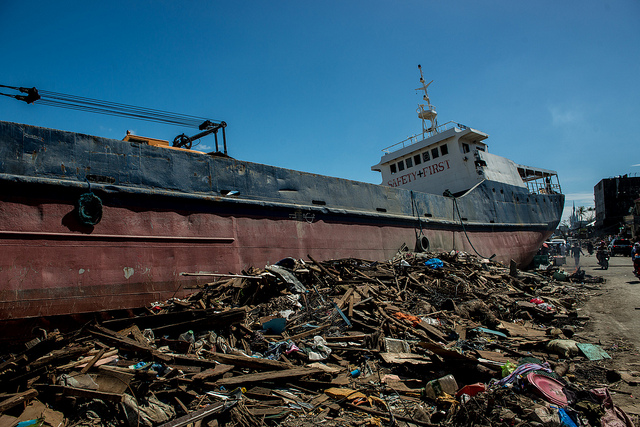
(446, 384)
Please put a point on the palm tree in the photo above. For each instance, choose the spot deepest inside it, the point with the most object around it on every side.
(581, 211)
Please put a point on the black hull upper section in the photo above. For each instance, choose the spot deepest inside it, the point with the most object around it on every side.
(45, 156)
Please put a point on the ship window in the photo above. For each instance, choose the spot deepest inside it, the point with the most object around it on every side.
(434, 153)
(480, 148)
(465, 147)
(416, 159)
(425, 156)
(444, 149)
(409, 162)
(393, 168)
(401, 165)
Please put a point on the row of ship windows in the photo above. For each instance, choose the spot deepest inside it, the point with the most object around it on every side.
(425, 156)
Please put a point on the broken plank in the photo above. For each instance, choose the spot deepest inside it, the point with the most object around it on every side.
(309, 332)
(267, 376)
(446, 353)
(432, 331)
(249, 362)
(324, 270)
(18, 399)
(192, 417)
(410, 358)
(385, 414)
(83, 392)
(341, 302)
(260, 412)
(494, 356)
(93, 361)
(182, 320)
(69, 352)
(213, 372)
(127, 343)
(233, 276)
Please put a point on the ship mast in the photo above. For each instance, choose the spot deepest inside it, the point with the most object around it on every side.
(429, 113)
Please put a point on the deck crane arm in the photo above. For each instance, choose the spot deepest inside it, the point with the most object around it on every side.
(207, 127)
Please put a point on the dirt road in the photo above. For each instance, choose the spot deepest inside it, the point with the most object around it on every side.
(614, 311)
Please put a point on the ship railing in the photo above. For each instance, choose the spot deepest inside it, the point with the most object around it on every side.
(541, 182)
(422, 136)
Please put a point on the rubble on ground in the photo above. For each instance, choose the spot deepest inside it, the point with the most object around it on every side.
(420, 340)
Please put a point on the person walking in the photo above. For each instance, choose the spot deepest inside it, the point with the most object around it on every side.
(576, 251)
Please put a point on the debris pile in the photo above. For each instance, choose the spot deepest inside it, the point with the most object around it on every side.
(423, 339)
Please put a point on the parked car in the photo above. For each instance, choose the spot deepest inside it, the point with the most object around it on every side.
(620, 246)
(554, 247)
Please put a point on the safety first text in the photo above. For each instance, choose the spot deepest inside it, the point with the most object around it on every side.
(422, 173)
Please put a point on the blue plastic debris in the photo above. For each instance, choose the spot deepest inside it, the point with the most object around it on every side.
(276, 325)
(565, 419)
(434, 263)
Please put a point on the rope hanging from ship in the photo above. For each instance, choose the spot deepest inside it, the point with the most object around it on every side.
(422, 243)
(73, 102)
(448, 193)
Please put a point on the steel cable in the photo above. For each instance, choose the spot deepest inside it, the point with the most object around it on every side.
(73, 102)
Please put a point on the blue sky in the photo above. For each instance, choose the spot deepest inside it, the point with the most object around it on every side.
(324, 86)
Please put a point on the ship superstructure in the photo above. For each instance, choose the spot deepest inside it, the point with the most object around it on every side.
(453, 158)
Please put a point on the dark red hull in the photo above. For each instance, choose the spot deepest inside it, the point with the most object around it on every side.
(48, 270)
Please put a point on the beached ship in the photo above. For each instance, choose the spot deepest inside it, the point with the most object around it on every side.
(89, 223)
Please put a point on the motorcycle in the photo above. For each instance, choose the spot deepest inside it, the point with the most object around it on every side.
(603, 259)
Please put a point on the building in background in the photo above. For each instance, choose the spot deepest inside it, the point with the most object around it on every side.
(615, 200)
(632, 221)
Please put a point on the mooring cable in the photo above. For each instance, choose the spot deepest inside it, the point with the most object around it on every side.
(448, 193)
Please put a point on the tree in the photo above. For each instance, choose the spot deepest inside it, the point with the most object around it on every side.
(581, 211)
(591, 215)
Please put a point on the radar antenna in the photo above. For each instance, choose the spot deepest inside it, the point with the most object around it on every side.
(429, 113)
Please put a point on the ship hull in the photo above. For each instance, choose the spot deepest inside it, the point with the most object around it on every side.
(164, 213)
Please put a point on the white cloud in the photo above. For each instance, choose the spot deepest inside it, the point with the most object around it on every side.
(580, 199)
(560, 116)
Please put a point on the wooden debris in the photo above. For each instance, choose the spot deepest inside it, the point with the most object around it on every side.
(383, 329)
